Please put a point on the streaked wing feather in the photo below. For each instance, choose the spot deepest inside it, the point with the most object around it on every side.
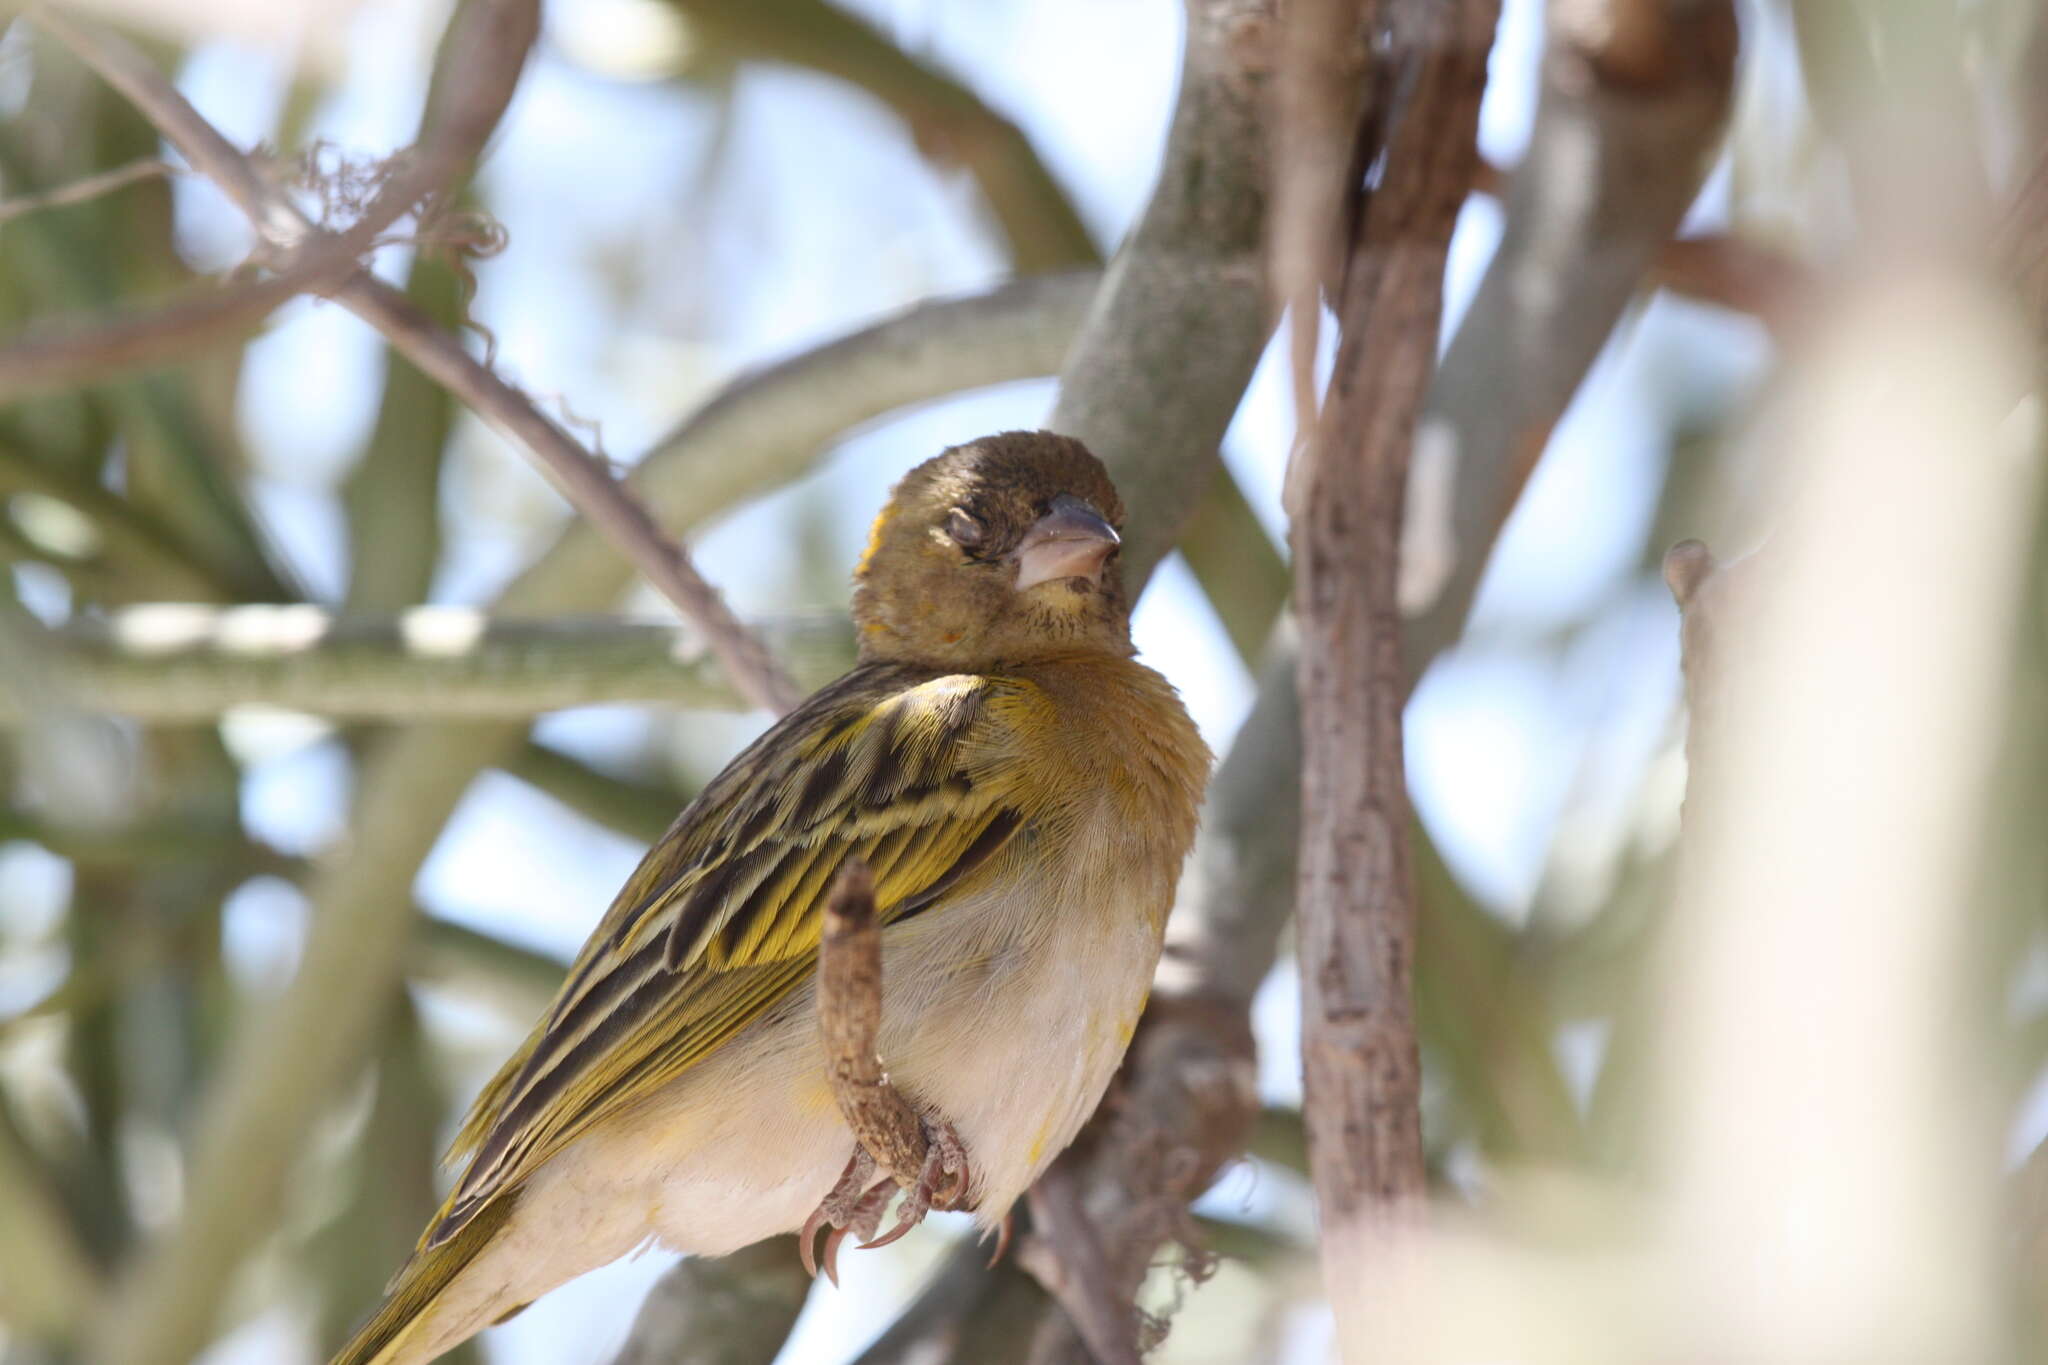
(722, 918)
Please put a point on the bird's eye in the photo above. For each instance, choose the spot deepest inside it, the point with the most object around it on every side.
(966, 529)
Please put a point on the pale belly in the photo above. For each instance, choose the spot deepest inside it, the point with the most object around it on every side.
(1006, 1022)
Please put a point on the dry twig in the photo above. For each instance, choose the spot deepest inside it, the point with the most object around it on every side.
(492, 38)
(465, 117)
(1745, 276)
(89, 188)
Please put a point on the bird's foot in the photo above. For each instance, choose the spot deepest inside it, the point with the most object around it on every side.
(941, 1184)
(856, 1203)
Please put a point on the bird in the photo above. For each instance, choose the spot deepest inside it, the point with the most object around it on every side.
(1023, 793)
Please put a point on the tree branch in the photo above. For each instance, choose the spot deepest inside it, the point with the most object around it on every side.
(1063, 1253)
(1355, 908)
(501, 41)
(1171, 339)
(492, 39)
(1635, 94)
(949, 122)
(721, 1310)
(769, 427)
(640, 810)
(1745, 276)
(177, 662)
(584, 480)
(67, 353)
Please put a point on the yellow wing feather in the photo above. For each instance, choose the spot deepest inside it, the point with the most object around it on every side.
(911, 772)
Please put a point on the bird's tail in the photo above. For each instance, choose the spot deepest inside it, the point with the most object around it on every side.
(419, 1284)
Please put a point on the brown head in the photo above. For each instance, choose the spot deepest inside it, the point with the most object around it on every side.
(998, 551)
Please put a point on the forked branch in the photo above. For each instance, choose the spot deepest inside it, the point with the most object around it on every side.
(490, 67)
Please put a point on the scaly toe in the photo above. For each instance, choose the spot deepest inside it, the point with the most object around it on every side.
(839, 1208)
(915, 1205)
(866, 1214)
(947, 1155)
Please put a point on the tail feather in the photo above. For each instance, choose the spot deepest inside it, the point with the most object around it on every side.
(422, 1280)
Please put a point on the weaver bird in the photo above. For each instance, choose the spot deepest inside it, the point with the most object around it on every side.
(1024, 793)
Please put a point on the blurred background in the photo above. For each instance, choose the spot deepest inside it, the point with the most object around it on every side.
(688, 193)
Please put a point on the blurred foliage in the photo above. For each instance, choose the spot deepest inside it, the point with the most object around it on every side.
(119, 982)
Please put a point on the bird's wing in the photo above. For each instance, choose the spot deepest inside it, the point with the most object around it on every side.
(921, 778)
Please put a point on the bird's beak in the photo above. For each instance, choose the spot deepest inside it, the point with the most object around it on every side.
(1070, 541)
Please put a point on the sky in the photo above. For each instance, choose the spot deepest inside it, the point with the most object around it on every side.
(654, 254)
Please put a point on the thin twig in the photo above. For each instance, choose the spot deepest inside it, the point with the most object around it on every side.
(1744, 276)
(66, 353)
(89, 188)
(493, 39)
(586, 481)
(770, 427)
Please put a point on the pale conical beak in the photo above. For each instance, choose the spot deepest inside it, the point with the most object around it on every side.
(1072, 540)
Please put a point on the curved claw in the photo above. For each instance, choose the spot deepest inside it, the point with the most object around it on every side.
(1002, 1233)
(807, 1241)
(851, 1208)
(832, 1241)
(839, 1208)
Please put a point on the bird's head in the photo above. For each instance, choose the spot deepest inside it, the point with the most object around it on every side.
(1001, 550)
